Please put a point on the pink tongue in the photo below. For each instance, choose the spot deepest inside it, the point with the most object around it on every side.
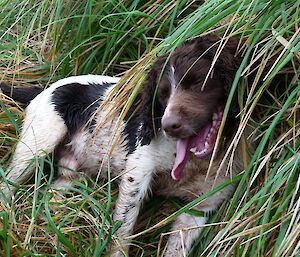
(183, 150)
(182, 155)
(201, 144)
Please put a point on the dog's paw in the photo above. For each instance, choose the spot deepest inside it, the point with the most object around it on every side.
(118, 253)
(116, 250)
(174, 252)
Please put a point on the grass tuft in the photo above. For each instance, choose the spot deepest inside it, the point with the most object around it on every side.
(42, 41)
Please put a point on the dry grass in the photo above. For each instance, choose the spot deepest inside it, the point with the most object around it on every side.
(44, 41)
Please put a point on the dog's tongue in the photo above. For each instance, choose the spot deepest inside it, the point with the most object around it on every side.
(182, 155)
(201, 145)
(183, 151)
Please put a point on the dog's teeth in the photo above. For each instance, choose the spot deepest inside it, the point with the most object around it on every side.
(214, 123)
(198, 153)
(193, 150)
(206, 145)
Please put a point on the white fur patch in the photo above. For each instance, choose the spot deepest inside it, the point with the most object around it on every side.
(85, 80)
(171, 77)
(172, 80)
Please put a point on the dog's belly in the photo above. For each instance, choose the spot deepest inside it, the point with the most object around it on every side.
(97, 159)
(97, 152)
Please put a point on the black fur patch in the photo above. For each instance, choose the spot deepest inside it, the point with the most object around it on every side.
(76, 103)
(139, 123)
(131, 129)
(21, 94)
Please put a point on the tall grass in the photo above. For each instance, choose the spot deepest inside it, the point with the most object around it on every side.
(42, 41)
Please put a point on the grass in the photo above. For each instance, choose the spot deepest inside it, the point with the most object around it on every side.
(42, 41)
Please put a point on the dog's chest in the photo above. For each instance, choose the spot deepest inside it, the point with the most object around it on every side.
(105, 150)
(191, 182)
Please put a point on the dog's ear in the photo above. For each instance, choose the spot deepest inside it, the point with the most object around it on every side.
(150, 110)
(227, 65)
(229, 56)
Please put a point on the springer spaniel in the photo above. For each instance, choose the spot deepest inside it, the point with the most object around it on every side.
(165, 141)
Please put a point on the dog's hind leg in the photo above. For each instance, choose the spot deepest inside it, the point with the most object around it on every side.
(67, 173)
(43, 130)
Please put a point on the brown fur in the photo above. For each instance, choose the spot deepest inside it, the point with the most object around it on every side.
(194, 101)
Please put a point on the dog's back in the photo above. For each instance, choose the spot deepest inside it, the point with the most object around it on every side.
(56, 119)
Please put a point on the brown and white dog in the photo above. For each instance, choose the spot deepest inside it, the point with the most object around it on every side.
(165, 145)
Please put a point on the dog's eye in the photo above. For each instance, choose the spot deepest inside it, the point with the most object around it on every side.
(165, 92)
(199, 81)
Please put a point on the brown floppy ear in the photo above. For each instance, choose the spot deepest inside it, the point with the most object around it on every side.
(229, 56)
(150, 110)
(227, 65)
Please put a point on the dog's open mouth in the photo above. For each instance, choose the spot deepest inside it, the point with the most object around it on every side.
(201, 145)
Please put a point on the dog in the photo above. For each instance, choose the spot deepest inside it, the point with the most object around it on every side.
(164, 143)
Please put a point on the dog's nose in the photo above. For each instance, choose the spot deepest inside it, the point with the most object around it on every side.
(172, 125)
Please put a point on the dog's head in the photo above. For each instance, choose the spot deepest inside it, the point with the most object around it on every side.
(188, 103)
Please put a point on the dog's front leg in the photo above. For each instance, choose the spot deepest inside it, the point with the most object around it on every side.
(133, 188)
(185, 230)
